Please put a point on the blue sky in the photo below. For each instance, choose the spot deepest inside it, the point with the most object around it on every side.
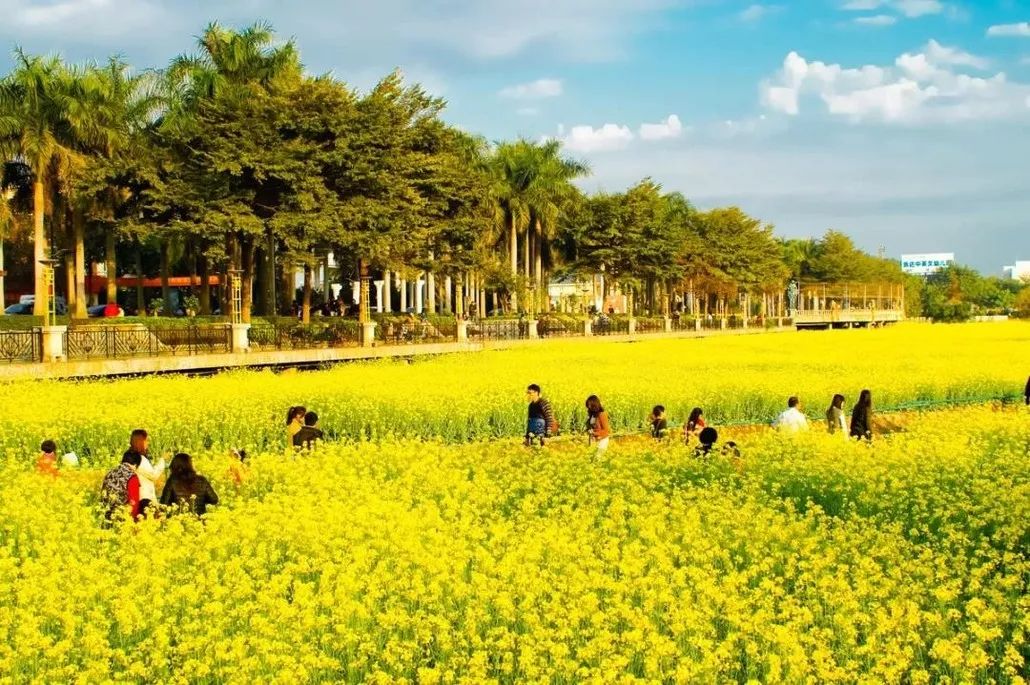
(905, 123)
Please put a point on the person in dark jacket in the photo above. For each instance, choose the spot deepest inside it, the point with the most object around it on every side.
(187, 489)
(707, 438)
(540, 423)
(307, 435)
(862, 416)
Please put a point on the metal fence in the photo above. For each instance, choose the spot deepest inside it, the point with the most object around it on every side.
(683, 323)
(297, 336)
(650, 326)
(549, 327)
(112, 342)
(20, 346)
(506, 329)
(418, 331)
(607, 326)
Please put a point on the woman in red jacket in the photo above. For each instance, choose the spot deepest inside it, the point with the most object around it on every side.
(121, 486)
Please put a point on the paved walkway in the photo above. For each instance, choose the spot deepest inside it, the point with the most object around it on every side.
(204, 363)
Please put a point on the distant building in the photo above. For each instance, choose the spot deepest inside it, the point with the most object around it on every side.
(926, 264)
(1017, 271)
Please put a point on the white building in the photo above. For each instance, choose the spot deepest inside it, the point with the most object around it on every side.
(1018, 271)
(924, 264)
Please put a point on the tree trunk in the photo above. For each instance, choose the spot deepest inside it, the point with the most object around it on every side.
(247, 291)
(79, 240)
(141, 305)
(39, 246)
(513, 243)
(205, 285)
(111, 265)
(305, 309)
(166, 266)
(289, 292)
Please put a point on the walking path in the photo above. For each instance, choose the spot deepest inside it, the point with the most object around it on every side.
(205, 363)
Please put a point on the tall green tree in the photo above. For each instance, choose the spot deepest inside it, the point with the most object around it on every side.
(40, 122)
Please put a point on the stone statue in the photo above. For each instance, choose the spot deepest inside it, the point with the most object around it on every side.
(792, 297)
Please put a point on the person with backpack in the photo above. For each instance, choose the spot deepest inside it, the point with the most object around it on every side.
(540, 423)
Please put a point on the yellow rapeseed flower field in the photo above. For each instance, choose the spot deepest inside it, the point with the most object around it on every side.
(450, 559)
(473, 396)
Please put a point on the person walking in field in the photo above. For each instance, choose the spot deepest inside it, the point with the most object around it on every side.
(540, 422)
(862, 416)
(694, 425)
(148, 473)
(835, 421)
(187, 489)
(791, 420)
(659, 424)
(120, 487)
(598, 428)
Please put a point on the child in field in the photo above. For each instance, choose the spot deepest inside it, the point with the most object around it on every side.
(46, 464)
(540, 423)
(598, 427)
(659, 425)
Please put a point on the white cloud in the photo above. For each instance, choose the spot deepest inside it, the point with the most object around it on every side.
(102, 18)
(927, 86)
(876, 20)
(534, 90)
(670, 128)
(527, 111)
(589, 139)
(1020, 30)
(918, 8)
(757, 12)
(913, 9)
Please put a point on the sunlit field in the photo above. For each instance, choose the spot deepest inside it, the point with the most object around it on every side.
(424, 544)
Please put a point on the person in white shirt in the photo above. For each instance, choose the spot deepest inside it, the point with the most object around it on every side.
(147, 472)
(791, 420)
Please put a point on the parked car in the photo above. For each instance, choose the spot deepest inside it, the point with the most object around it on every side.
(62, 304)
(19, 308)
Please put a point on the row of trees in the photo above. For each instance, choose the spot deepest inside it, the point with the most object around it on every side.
(235, 159)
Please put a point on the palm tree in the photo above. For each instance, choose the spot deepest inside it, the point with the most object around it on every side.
(512, 178)
(550, 189)
(40, 123)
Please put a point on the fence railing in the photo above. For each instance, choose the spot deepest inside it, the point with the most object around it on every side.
(296, 336)
(606, 326)
(417, 332)
(548, 327)
(485, 329)
(112, 342)
(650, 325)
(20, 346)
